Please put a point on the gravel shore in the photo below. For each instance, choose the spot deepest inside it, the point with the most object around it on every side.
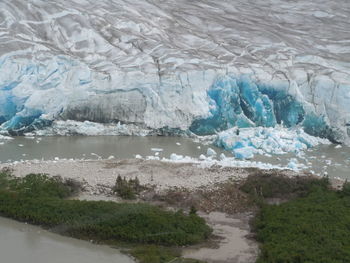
(162, 175)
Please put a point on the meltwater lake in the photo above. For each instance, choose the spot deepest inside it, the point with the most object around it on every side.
(331, 160)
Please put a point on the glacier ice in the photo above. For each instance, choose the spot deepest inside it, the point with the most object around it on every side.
(264, 140)
(211, 152)
(88, 66)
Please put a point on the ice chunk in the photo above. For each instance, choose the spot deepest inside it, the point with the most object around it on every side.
(202, 157)
(222, 156)
(156, 149)
(338, 146)
(176, 157)
(293, 164)
(244, 153)
(211, 152)
(267, 141)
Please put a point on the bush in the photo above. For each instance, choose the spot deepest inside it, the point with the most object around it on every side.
(313, 228)
(127, 189)
(39, 200)
(346, 188)
(157, 254)
(40, 185)
(278, 186)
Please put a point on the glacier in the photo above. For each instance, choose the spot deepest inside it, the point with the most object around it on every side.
(97, 67)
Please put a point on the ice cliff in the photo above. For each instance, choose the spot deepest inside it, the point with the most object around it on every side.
(204, 66)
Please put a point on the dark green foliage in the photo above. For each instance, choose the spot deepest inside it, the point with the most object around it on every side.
(40, 185)
(346, 188)
(127, 189)
(151, 254)
(193, 210)
(38, 199)
(4, 179)
(313, 228)
(276, 186)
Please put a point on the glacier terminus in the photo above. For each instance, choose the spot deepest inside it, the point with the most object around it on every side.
(202, 67)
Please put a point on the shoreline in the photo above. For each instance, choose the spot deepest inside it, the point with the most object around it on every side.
(180, 182)
(96, 174)
(174, 186)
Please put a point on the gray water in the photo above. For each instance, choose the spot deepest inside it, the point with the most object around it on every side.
(92, 147)
(23, 243)
(323, 159)
(20, 242)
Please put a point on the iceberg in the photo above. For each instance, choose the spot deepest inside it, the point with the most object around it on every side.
(147, 67)
(266, 141)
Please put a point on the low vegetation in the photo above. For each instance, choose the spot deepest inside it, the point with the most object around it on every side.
(309, 223)
(41, 200)
(127, 189)
(152, 254)
(313, 226)
(262, 186)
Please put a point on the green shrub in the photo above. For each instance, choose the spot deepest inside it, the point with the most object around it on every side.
(346, 188)
(313, 228)
(4, 179)
(159, 254)
(278, 186)
(39, 200)
(40, 185)
(127, 189)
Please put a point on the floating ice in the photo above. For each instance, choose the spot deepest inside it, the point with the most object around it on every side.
(156, 149)
(211, 152)
(202, 157)
(295, 165)
(176, 157)
(2, 137)
(338, 146)
(222, 156)
(244, 152)
(260, 140)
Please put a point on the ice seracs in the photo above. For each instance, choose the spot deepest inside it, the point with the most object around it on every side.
(134, 67)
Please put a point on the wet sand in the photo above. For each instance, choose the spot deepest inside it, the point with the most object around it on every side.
(233, 244)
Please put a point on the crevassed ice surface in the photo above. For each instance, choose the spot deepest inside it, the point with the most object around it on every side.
(200, 65)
